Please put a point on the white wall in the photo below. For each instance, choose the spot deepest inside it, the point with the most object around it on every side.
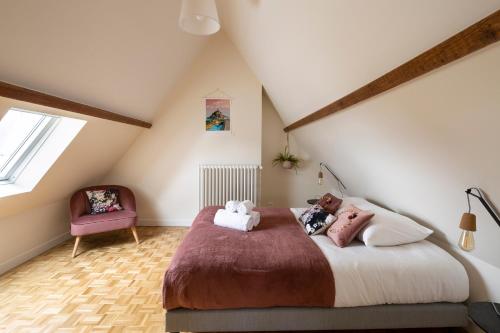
(28, 234)
(161, 167)
(417, 148)
(32, 222)
(280, 187)
(414, 149)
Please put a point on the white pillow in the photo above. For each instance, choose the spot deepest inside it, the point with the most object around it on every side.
(387, 228)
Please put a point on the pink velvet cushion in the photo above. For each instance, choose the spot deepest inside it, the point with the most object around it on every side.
(93, 224)
(117, 215)
(350, 221)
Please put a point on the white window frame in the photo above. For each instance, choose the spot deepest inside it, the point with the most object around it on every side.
(22, 158)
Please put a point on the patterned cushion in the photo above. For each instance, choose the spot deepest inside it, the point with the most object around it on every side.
(103, 201)
(350, 221)
(316, 220)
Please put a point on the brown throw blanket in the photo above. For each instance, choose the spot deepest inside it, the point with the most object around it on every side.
(275, 264)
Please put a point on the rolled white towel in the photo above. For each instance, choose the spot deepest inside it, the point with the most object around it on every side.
(255, 218)
(232, 206)
(245, 207)
(227, 219)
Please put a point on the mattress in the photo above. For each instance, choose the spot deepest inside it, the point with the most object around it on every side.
(413, 273)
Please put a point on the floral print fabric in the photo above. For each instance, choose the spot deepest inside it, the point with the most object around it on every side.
(103, 201)
(316, 220)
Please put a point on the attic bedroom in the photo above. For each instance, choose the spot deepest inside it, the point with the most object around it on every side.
(249, 165)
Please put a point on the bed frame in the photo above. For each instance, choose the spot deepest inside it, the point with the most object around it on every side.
(430, 315)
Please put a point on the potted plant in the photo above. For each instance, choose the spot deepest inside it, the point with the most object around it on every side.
(286, 160)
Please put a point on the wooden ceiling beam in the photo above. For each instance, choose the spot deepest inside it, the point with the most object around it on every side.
(36, 97)
(473, 38)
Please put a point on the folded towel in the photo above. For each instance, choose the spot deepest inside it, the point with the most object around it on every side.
(245, 207)
(232, 206)
(255, 218)
(228, 219)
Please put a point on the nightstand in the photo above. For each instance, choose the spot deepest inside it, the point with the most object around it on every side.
(483, 315)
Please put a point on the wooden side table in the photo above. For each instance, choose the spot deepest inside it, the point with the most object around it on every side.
(484, 315)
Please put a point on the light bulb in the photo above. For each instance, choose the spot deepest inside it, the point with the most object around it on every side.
(466, 241)
(320, 177)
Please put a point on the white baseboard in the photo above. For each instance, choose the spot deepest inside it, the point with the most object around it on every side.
(27, 255)
(147, 222)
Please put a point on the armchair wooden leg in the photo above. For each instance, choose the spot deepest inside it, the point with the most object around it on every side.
(134, 232)
(77, 241)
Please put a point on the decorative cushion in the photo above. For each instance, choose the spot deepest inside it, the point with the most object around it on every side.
(350, 220)
(316, 220)
(103, 201)
(330, 203)
(387, 228)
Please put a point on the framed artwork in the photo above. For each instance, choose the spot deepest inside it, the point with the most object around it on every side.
(217, 114)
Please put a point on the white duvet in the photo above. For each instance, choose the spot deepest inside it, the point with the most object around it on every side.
(419, 272)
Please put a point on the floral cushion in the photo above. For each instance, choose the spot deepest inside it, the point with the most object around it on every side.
(103, 201)
(350, 221)
(316, 220)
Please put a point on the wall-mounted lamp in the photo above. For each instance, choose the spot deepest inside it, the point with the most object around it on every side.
(468, 222)
(320, 176)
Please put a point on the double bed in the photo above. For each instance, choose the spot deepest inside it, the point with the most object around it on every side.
(278, 278)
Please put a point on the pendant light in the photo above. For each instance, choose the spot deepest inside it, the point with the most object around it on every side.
(199, 17)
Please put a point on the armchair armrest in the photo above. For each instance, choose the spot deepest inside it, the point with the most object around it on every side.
(127, 199)
(78, 205)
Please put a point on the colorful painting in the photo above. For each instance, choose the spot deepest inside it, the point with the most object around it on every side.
(217, 114)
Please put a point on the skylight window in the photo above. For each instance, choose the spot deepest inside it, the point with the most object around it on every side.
(30, 143)
(22, 133)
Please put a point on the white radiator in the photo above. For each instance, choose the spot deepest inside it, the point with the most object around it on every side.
(220, 183)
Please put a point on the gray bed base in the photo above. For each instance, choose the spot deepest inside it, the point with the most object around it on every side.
(312, 319)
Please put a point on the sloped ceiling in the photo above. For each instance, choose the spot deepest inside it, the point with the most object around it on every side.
(308, 53)
(120, 55)
(414, 149)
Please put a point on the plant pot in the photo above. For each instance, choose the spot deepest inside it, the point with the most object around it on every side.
(286, 165)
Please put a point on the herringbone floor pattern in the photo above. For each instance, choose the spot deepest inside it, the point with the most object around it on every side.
(113, 285)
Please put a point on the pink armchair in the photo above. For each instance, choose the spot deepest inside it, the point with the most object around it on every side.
(83, 223)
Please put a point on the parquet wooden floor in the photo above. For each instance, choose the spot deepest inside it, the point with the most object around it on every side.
(113, 285)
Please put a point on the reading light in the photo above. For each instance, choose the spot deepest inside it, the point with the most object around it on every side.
(468, 226)
(468, 222)
(199, 17)
(320, 176)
